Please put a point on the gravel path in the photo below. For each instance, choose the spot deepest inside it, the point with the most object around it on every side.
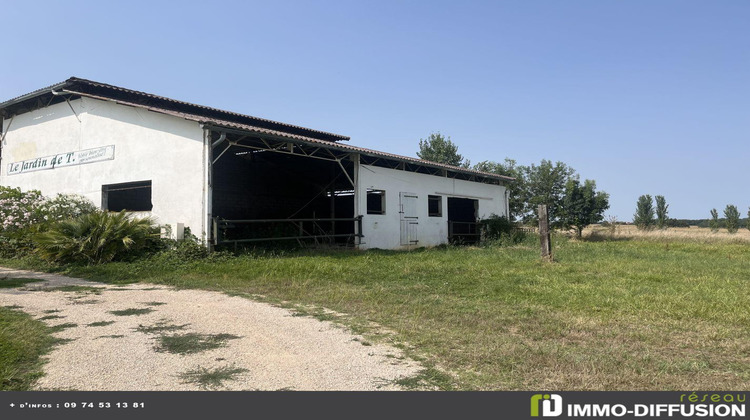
(155, 344)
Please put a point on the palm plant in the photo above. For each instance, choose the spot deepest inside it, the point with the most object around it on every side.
(94, 238)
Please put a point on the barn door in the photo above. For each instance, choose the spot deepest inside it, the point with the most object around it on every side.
(409, 218)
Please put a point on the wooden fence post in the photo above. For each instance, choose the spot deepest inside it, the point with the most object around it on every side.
(544, 233)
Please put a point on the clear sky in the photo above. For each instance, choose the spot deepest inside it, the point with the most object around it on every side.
(645, 97)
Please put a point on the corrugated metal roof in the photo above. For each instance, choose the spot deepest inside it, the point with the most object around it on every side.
(272, 128)
(160, 103)
(355, 149)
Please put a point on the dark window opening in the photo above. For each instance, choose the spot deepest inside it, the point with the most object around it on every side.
(435, 205)
(375, 201)
(129, 196)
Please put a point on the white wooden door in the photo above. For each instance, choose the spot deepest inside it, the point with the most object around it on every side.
(409, 218)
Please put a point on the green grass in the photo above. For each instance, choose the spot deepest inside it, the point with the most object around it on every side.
(663, 314)
(211, 378)
(23, 341)
(131, 311)
(6, 283)
(190, 343)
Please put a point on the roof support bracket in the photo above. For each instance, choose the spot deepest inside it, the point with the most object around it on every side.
(343, 169)
(68, 101)
(2, 139)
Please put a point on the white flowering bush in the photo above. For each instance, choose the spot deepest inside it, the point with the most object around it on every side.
(19, 210)
(26, 213)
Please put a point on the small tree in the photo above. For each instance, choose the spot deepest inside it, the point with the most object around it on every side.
(661, 212)
(583, 205)
(747, 223)
(644, 213)
(713, 223)
(436, 148)
(732, 216)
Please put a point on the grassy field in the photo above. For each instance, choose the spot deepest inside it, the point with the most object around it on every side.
(667, 313)
(23, 341)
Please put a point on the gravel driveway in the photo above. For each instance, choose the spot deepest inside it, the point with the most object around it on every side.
(145, 337)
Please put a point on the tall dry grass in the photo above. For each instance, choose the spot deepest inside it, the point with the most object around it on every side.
(693, 233)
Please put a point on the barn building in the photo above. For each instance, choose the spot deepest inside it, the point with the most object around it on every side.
(232, 178)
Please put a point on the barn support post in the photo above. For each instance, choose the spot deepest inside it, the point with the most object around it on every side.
(544, 233)
(209, 238)
(355, 175)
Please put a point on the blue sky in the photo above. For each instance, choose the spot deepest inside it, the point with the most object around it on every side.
(645, 97)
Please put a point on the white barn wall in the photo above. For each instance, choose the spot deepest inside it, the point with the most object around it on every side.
(383, 231)
(148, 146)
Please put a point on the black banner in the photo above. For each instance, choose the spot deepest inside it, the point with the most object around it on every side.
(373, 405)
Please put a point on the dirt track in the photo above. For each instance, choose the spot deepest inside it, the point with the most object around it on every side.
(268, 347)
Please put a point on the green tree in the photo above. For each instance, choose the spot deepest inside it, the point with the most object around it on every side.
(747, 222)
(582, 205)
(544, 184)
(644, 213)
(661, 212)
(515, 188)
(732, 216)
(713, 223)
(437, 148)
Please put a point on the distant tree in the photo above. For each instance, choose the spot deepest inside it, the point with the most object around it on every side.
(732, 216)
(747, 221)
(437, 148)
(713, 223)
(644, 213)
(515, 188)
(661, 212)
(582, 205)
(545, 184)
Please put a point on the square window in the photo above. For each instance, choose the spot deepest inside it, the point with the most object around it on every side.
(375, 201)
(128, 196)
(435, 206)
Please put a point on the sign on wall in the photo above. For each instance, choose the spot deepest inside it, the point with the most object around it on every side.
(63, 159)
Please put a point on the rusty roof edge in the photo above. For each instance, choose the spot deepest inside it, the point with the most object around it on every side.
(347, 147)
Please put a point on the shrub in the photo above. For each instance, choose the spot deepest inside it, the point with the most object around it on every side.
(94, 238)
(25, 214)
(499, 230)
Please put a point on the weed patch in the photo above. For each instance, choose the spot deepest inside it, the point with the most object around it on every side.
(192, 342)
(160, 327)
(6, 283)
(60, 327)
(77, 289)
(100, 323)
(211, 378)
(131, 311)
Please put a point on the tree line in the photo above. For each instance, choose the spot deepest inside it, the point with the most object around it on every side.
(647, 216)
(571, 203)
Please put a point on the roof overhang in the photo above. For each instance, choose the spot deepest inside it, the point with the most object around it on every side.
(309, 147)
